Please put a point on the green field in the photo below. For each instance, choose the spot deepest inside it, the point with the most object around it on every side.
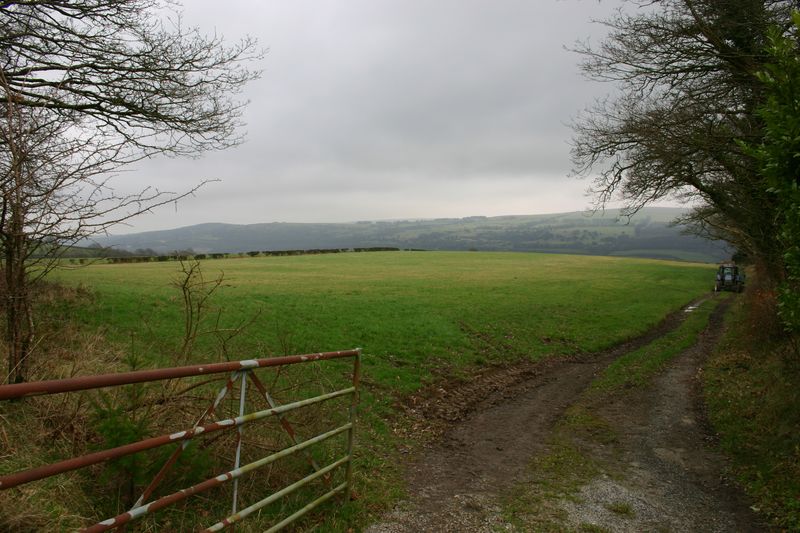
(417, 316)
(408, 310)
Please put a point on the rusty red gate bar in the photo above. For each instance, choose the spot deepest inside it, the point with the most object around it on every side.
(243, 368)
(56, 386)
(26, 476)
(182, 494)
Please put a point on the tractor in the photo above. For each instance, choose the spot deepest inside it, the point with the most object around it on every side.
(729, 278)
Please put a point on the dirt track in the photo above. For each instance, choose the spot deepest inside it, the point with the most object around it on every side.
(488, 430)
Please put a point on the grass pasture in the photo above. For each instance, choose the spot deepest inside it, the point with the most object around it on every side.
(417, 315)
(405, 309)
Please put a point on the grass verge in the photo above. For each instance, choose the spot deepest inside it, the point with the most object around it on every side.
(752, 388)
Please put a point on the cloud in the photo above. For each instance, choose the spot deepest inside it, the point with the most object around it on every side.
(446, 108)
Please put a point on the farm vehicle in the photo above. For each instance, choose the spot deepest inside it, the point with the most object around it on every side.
(729, 278)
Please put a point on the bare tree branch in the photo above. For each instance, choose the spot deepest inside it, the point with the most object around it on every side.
(87, 88)
(687, 74)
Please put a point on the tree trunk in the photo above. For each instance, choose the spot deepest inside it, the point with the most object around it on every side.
(19, 330)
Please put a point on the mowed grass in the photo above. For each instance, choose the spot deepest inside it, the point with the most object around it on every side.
(418, 316)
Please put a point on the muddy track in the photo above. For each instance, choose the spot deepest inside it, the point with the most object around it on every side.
(437, 408)
(671, 478)
(484, 432)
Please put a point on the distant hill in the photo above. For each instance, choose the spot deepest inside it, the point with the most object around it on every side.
(648, 234)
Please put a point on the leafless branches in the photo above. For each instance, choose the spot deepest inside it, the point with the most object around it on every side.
(85, 89)
(138, 78)
(688, 93)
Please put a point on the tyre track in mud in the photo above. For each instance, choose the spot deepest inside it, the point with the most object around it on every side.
(484, 432)
(669, 475)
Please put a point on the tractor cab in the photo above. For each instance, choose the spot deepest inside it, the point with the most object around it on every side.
(729, 278)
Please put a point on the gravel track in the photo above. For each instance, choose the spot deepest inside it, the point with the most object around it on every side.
(673, 477)
(485, 432)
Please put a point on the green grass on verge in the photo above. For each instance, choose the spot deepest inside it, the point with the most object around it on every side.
(621, 509)
(636, 368)
(753, 395)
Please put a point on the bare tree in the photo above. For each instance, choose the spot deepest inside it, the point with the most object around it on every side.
(687, 71)
(86, 88)
(129, 68)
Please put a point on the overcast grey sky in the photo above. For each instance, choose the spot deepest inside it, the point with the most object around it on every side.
(382, 109)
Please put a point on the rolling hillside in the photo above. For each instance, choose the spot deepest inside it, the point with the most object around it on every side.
(646, 235)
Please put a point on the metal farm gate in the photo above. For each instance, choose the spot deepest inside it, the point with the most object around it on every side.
(239, 372)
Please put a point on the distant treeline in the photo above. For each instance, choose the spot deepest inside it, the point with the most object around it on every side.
(649, 234)
(121, 256)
